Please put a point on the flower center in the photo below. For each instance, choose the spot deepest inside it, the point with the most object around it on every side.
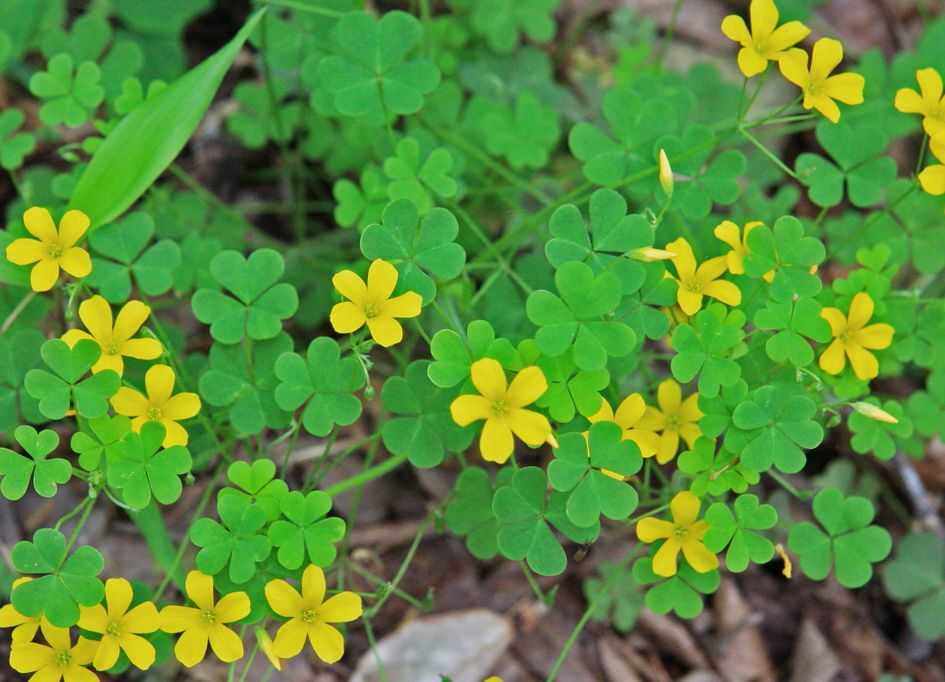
(499, 408)
(154, 414)
(372, 310)
(693, 286)
(209, 616)
(673, 422)
(111, 347)
(63, 658)
(113, 629)
(54, 251)
(308, 616)
(680, 533)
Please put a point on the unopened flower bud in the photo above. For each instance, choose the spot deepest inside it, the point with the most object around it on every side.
(649, 254)
(788, 565)
(871, 411)
(666, 174)
(265, 645)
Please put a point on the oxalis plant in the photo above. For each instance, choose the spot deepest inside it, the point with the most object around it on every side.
(598, 295)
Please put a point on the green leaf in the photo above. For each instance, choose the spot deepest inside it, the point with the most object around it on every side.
(256, 482)
(880, 438)
(62, 583)
(64, 387)
(324, 382)
(705, 347)
(306, 531)
(148, 139)
(681, 593)
(790, 254)
(98, 438)
(502, 22)
(793, 321)
(736, 531)
(14, 146)
(847, 542)
(715, 473)
(594, 472)
(425, 430)
(47, 474)
(70, 94)
(453, 355)
(420, 178)
(361, 206)
(423, 251)
(259, 302)
(239, 541)
(524, 135)
(617, 596)
(19, 353)
(916, 576)
(469, 512)
(141, 469)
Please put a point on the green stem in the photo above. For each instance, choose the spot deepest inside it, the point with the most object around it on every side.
(408, 558)
(787, 485)
(656, 510)
(380, 582)
(304, 7)
(366, 476)
(767, 152)
(532, 583)
(17, 311)
(670, 30)
(89, 504)
(249, 662)
(151, 524)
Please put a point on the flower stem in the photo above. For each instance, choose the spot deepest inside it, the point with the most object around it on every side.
(366, 476)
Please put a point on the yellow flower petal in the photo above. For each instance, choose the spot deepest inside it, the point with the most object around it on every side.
(290, 638)
(699, 557)
(630, 411)
(864, 364)
(142, 349)
(44, 275)
(25, 251)
(57, 637)
(669, 446)
(650, 529)
(875, 336)
(689, 301)
(689, 409)
(489, 379)
(728, 232)
(861, 310)
(836, 319)
(846, 87)
(532, 428)
(351, 286)
(469, 408)
(664, 561)
(130, 318)
(386, 331)
(685, 260)
(764, 17)
(327, 641)
(711, 269)
(669, 396)
(106, 655)
(787, 35)
(724, 291)
(932, 180)
(342, 608)
(142, 619)
(232, 607)
(76, 262)
(405, 305)
(685, 508)
(832, 360)
(118, 596)
(27, 657)
(283, 598)
(159, 384)
(226, 644)
(313, 586)
(191, 646)
(96, 315)
(93, 618)
(826, 106)
(346, 317)
(71, 228)
(381, 281)
(527, 387)
(908, 101)
(496, 443)
(39, 223)
(793, 66)
(734, 28)
(826, 56)
(140, 651)
(174, 433)
(176, 618)
(199, 588)
(605, 413)
(750, 62)
(690, 433)
(181, 406)
(937, 143)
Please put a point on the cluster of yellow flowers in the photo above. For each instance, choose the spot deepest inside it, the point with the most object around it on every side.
(205, 624)
(766, 42)
(930, 105)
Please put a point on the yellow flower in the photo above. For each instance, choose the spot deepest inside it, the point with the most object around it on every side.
(728, 232)
(501, 406)
(696, 282)
(114, 338)
(628, 417)
(265, 645)
(930, 104)
(493, 678)
(819, 87)
(371, 303)
(854, 339)
(311, 616)
(24, 627)
(675, 418)
(932, 178)
(206, 623)
(159, 405)
(766, 41)
(120, 628)
(57, 660)
(684, 532)
(52, 249)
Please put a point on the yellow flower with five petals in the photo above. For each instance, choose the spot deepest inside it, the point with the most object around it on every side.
(683, 534)
(930, 104)
(114, 337)
(205, 622)
(57, 660)
(819, 87)
(696, 281)
(766, 41)
(502, 406)
(311, 616)
(158, 405)
(120, 627)
(854, 339)
(24, 627)
(932, 178)
(371, 303)
(53, 248)
(676, 418)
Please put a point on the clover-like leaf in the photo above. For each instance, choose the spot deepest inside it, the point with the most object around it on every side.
(845, 540)
(794, 321)
(788, 252)
(237, 540)
(420, 177)
(371, 73)
(70, 94)
(716, 182)
(715, 472)
(778, 426)
(502, 22)
(469, 512)
(453, 355)
(99, 438)
(705, 347)
(306, 531)
(593, 471)
(734, 527)
(63, 582)
(64, 387)
(571, 390)
(259, 302)
(256, 482)
(245, 384)
(14, 146)
(617, 596)
(19, 353)
(682, 593)
(141, 469)
(422, 250)
(879, 437)
(324, 382)
(361, 205)
(916, 576)
(46, 474)
(581, 317)
(524, 135)
(424, 429)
